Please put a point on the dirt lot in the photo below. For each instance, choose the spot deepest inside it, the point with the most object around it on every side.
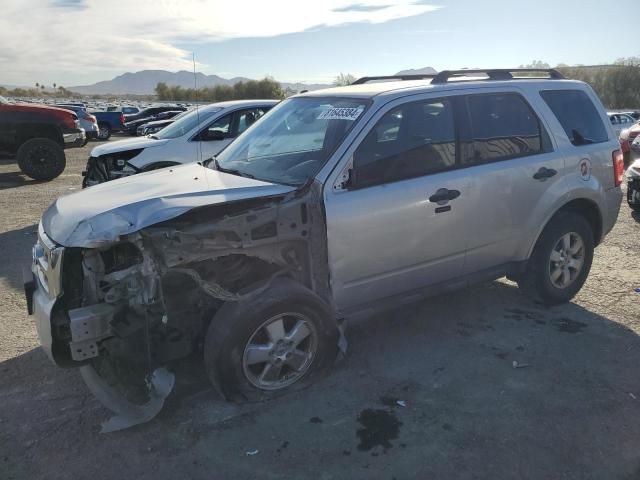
(573, 412)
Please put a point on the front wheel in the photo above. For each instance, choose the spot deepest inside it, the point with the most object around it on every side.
(561, 260)
(270, 343)
(41, 159)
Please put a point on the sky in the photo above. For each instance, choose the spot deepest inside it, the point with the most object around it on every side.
(76, 42)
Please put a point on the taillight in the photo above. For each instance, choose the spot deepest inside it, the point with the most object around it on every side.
(122, 119)
(618, 167)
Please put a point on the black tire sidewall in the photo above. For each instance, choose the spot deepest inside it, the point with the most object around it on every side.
(54, 166)
(235, 323)
(559, 226)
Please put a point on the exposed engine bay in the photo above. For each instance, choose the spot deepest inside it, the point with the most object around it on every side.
(132, 307)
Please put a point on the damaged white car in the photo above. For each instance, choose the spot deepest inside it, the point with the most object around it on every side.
(337, 203)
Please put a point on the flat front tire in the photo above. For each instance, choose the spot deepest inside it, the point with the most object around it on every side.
(268, 344)
(561, 260)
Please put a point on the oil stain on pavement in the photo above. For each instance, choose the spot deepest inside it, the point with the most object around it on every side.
(379, 427)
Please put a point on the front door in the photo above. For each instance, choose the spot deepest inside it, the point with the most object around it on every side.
(400, 223)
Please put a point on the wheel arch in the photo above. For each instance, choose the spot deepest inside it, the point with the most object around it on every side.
(39, 130)
(581, 206)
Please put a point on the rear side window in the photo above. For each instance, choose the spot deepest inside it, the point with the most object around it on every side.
(502, 126)
(577, 115)
(410, 141)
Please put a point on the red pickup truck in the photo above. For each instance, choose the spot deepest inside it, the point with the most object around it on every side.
(37, 136)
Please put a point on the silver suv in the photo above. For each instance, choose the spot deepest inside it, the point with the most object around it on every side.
(338, 203)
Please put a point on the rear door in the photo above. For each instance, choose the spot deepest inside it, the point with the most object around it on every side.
(515, 174)
(400, 225)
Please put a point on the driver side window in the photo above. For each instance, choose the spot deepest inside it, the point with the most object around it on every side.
(220, 129)
(409, 141)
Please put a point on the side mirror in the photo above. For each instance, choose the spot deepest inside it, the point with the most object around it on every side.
(212, 135)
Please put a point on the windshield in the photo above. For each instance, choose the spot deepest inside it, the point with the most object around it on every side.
(185, 123)
(293, 141)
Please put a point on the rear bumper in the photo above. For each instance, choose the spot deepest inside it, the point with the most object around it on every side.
(614, 200)
(74, 138)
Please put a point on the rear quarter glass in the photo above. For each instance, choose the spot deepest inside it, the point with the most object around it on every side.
(578, 116)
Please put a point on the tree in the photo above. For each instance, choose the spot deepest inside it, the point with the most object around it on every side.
(344, 79)
(54, 86)
(536, 64)
(37, 85)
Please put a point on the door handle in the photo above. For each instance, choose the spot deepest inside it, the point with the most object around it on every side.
(443, 195)
(544, 173)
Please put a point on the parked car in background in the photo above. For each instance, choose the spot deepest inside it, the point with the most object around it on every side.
(339, 203)
(131, 127)
(151, 111)
(87, 121)
(37, 135)
(620, 121)
(157, 125)
(125, 110)
(633, 175)
(627, 136)
(108, 122)
(197, 136)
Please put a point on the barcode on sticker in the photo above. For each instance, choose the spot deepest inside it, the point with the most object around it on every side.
(341, 113)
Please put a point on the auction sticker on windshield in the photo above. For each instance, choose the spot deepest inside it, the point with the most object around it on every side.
(341, 113)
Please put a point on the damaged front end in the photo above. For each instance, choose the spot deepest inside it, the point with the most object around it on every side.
(127, 308)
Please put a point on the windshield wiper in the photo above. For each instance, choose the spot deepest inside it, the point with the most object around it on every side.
(153, 136)
(232, 171)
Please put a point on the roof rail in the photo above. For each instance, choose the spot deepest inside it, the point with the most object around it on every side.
(497, 74)
(420, 76)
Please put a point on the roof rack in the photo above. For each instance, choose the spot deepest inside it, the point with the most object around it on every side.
(497, 74)
(421, 76)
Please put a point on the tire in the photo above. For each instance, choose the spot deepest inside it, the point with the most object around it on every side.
(41, 159)
(86, 140)
(104, 132)
(538, 279)
(239, 327)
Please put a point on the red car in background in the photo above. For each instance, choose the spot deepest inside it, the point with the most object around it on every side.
(627, 136)
(37, 136)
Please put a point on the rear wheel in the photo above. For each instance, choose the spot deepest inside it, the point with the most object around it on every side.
(270, 343)
(41, 159)
(105, 131)
(561, 260)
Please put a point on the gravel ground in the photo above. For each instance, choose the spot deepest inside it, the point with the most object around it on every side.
(429, 391)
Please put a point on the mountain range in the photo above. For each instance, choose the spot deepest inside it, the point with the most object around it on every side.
(145, 81)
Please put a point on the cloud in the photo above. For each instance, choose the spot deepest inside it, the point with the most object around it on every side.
(54, 37)
(359, 7)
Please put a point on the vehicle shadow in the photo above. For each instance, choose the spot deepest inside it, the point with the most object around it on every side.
(14, 178)
(455, 380)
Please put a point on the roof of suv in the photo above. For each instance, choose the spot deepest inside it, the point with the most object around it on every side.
(388, 88)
